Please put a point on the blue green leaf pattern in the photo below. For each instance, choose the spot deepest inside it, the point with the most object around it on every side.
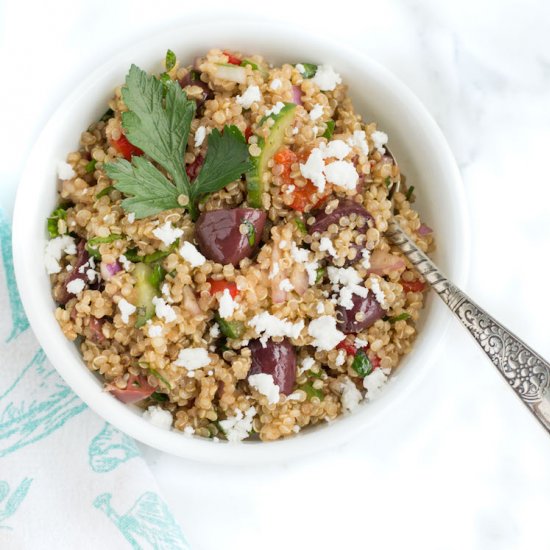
(10, 503)
(110, 448)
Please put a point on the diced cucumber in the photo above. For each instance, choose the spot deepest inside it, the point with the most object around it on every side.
(145, 292)
(269, 146)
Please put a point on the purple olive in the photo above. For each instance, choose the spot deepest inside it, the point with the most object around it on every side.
(192, 79)
(82, 258)
(277, 359)
(219, 235)
(344, 208)
(369, 307)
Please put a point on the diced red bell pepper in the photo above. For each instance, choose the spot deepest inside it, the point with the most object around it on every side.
(248, 133)
(123, 146)
(348, 346)
(286, 158)
(220, 286)
(232, 59)
(136, 390)
(413, 286)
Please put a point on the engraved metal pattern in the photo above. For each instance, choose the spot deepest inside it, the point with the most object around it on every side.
(527, 372)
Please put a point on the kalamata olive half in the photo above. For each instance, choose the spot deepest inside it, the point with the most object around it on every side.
(192, 78)
(220, 238)
(344, 208)
(369, 307)
(277, 359)
(82, 258)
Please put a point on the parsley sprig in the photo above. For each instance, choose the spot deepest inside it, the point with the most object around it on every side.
(158, 121)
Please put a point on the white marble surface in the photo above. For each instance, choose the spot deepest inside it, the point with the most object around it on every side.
(461, 464)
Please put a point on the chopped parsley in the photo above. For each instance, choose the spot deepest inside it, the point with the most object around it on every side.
(401, 317)
(170, 61)
(160, 397)
(250, 231)
(90, 167)
(56, 215)
(158, 122)
(300, 225)
(311, 391)
(91, 245)
(156, 374)
(309, 70)
(320, 275)
(409, 192)
(330, 129)
(362, 364)
(388, 182)
(105, 191)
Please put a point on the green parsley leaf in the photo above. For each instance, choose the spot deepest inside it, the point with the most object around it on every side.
(157, 276)
(105, 191)
(91, 245)
(170, 61)
(230, 329)
(401, 317)
(90, 167)
(387, 181)
(320, 275)
(330, 129)
(409, 193)
(160, 397)
(309, 70)
(362, 364)
(311, 391)
(253, 65)
(156, 374)
(56, 215)
(300, 225)
(251, 232)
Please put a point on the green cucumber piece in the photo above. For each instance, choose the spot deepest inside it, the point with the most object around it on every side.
(145, 292)
(269, 146)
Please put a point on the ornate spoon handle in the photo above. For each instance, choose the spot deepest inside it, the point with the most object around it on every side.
(525, 370)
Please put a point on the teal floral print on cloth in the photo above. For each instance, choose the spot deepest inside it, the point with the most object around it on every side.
(10, 501)
(148, 525)
(19, 320)
(43, 404)
(110, 448)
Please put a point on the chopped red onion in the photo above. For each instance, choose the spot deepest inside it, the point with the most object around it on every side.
(109, 270)
(424, 230)
(297, 95)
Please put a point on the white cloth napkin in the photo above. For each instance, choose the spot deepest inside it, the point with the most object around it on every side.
(67, 478)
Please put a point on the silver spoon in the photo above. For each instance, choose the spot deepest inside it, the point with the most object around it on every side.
(525, 370)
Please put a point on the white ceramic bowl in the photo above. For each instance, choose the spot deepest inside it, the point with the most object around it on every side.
(415, 139)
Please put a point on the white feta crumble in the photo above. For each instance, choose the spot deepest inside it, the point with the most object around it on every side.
(126, 309)
(237, 428)
(307, 364)
(295, 130)
(293, 396)
(359, 140)
(227, 304)
(313, 169)
(379, 139)
(326, 78)
(378, 292)
(351, 396)
(265, 384)
(340, 358)
(131, 217)
(270, 325)
(300, 255)
(153, 331)
(320, 308)
(159, 417)
(342, 173)
(282, 243)
(275, 84)
(165, 289)
(124, 262)
(54, 251)
(325, 245)
(286, 285)
(326, 335)
(200, 134)
(316, 112)
(336, 148)
(189, 252)
(91, 275)
(251, 95)
(188, 430)
(311, 270)
(163, 310)
(345, 298)
(75, 286)
(192, 358)
(300, 68)
(374, 383)
(275, 110)
(343, 275)
(214, 330)
(274, 270)
(365, 262)
(360, 343)
(65, 171)
(167, 234)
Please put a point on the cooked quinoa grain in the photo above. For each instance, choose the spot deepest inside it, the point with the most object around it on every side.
(264, 305)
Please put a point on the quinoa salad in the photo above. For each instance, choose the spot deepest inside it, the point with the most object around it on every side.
(218, 254)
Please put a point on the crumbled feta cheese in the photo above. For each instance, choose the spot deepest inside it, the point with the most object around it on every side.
(300, 255)
(65, 171)
(295, 130)
(380, 139)
(265, 384)
(167, 234)
(163, 310)
(192, 358)
(227, 304)
(275, 84)
(307, 364)
(274, 270)
(91, 274)
(351, 396)
(365, 262)
(342, 173)
(189, 252)
(359, 140)
(275, 110)
(251, 95)
(374, 383)
(325, 245)
(320, 308)
(200, 134)
(215, 330)
(54, 250)
(378, 292)
(311, 270)
(236, 428)
(131, 217)
(316, 112)
(290, 189)
(300, 68)
(286, 285)
(75, 286)
(126, 309)
(340, 358)
(345, 298)
(125, 262)
(313, 169)
(360, 343)
(335, 149)
(282, 243)
(165, 289)
(159, 417)
(326, 78)
(270, 326)
(188, 430)
(293, 396)
(343, 275)
(326, 335)
(153, 331)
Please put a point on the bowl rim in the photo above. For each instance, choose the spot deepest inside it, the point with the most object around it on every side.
(122, 416)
